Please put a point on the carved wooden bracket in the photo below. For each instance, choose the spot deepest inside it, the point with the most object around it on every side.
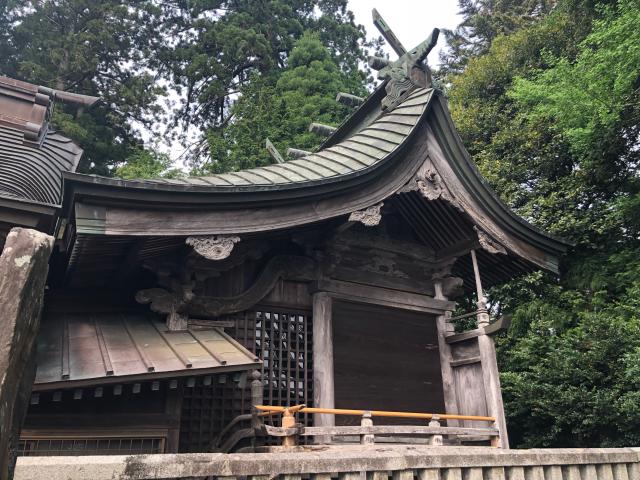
(370, 216)
(179, 305)
(488, 243)
(213, 247)
(168, 303)
(431, 186)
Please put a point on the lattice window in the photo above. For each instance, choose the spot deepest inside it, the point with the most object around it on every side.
(283, 339)
(50, 446)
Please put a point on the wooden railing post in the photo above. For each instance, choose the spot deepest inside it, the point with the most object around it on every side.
(257, 397)
(367, 421)
(289, 421)
(435, 440)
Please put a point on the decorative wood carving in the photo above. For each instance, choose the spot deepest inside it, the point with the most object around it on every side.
(170, 303)
(431, 186)
(281, 266)
(369, 217)
(179, 302)
(213, 247)
(488, 243)
(406, 73)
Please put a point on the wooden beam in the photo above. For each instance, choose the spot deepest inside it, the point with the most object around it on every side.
(297, 153)
(387, 33)
(322, 129)
(323, 375)
(382, 296)
(349, 100)
(273, 151)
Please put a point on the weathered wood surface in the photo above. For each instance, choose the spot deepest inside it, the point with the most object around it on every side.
(448, 381)
(323, 371)
(23, 273)
(382, 296)
(385, 359)
(493, 392)
(378, 462)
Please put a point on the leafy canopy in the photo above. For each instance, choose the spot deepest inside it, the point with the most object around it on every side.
(550, 113)
(281, 109)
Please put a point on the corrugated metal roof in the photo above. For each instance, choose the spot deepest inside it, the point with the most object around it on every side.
(35, 173)
(360, 151)
(90, 349)
(32, 155)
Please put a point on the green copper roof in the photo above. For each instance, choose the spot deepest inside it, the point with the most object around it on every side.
(360, 151)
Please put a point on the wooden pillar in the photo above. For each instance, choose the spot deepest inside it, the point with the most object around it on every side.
(323, 387)
(491, 380)
(490, 375)
(483, 315)
(448, 383)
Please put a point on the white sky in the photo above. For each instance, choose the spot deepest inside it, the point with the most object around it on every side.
(411, 20)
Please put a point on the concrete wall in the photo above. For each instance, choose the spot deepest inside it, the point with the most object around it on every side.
(347, 463)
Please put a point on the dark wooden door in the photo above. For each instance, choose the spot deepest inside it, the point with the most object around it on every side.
(385, 359)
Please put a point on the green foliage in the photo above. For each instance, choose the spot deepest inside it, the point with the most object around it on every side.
(483, 21)
(222, 46)
(591, 94)
(144, 163)
(93, 48)
(550, 114)
(281, 109)
(131, 53)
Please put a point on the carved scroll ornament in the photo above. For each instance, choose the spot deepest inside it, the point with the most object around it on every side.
(213, 247)
(179, 305)
(432, 187)
(369, 217)
(488, 243)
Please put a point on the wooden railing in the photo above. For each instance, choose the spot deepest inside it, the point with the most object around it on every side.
(374, 462)
(289, 430)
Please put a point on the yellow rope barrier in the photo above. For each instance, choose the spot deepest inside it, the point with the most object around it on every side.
(270, 410)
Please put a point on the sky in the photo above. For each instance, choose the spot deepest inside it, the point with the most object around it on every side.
(411, 20)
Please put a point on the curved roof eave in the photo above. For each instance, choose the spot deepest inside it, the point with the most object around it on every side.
(473, 181)
(201, 191)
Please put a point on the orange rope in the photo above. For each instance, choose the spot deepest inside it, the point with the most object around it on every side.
(270, 410)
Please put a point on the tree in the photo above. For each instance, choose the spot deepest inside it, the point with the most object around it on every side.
(550, 113)
(147, 163)
(484, 21)
(221, 47)
(93, 48)
(281, 107)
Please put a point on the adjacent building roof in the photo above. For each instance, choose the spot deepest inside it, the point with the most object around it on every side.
(35, 173)
(32, 155)
(86, 349)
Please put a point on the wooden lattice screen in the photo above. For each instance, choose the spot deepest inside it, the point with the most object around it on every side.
(283, 339)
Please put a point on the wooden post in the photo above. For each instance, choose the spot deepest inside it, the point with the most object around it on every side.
(323, 386)
(490, 375)
(448, 387)
(289, 421)
(257, 394)
(435, 440)
(367, 421)
(483, 316)
(493, 393)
